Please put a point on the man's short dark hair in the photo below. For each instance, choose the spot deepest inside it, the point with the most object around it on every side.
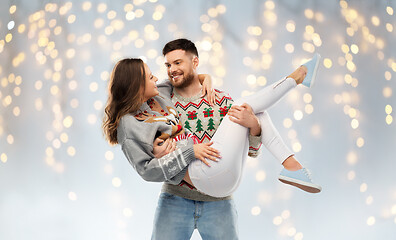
(180, 44)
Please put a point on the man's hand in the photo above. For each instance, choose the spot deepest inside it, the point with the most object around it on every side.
(161, 147)
(203, 151)
(244, 115)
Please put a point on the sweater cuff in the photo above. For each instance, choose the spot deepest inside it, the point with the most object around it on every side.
(187, 148)
(176, 180)
(189, 156)
(254, 146)
(188, 151)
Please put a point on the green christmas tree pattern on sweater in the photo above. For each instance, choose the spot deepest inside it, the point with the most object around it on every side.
(199, 116)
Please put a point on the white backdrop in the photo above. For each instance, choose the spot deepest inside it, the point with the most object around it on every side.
(59, 179)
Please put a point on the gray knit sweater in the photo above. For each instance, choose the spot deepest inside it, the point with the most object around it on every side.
(136, 133)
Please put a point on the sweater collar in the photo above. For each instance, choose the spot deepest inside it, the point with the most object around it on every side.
(187, 99)
(144, 107)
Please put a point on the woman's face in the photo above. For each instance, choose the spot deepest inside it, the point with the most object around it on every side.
(150, 86)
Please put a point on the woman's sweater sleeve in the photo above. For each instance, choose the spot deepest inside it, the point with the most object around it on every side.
(168, 168)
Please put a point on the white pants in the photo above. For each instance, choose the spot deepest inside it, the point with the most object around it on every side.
(231, 139)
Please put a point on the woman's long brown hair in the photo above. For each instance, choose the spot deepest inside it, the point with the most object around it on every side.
(126, 88)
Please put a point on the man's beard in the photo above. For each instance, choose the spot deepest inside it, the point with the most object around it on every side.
(187, 81)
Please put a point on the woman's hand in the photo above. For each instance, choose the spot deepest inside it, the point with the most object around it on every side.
(244, 115)
(203, 151)
(206, 82)
(161, 147)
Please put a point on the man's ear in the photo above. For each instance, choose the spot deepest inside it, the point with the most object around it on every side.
(195, 61)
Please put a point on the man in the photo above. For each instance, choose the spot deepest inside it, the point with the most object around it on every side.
(181, 208)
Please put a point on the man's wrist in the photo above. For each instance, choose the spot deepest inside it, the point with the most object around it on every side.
(255, 131)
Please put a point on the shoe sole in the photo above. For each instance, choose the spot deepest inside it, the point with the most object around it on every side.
(315, 70)
(311, 188)
(313, 78)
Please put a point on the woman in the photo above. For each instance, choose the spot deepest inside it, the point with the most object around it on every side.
(136, 113)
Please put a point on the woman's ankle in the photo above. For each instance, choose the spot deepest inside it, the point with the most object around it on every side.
(299, 74)
(292, 164)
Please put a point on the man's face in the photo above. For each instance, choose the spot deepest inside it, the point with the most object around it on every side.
(181, 67)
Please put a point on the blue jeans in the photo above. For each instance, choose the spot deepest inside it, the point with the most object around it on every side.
(177, 217)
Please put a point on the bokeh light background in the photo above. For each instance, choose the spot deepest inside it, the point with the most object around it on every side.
(59, 179)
